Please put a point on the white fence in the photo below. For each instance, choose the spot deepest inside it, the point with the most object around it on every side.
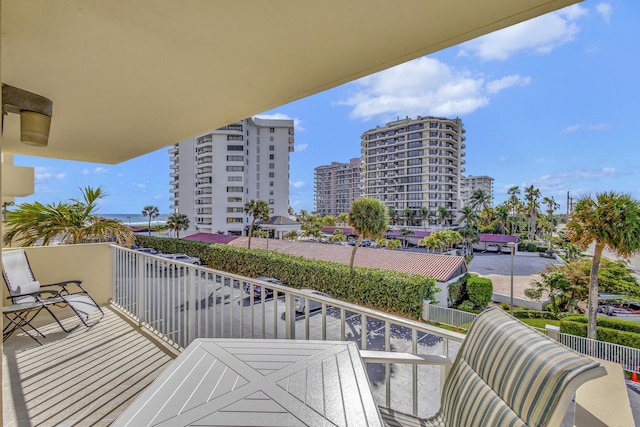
(628, 357)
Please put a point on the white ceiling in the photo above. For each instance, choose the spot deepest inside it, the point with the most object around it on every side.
(129, 77)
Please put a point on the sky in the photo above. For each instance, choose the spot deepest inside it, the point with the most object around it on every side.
(549, 102)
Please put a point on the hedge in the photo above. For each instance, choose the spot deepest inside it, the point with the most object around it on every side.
(384, 290)
(534, 314)
(480, 291)
(608, 330)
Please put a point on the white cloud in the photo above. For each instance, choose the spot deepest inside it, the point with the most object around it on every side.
(301, 147)
(100, 171)
(43, 174)
(297, 123)
(423, 86)
(540, 35)
(141, 185)
(559, 181)
(298, 184)
(506, 82)
(61, 175)
(604, 10)
(591, 127)
(503, 159)
(85, 171)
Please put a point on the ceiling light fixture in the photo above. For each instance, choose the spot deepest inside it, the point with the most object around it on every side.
(35, 114)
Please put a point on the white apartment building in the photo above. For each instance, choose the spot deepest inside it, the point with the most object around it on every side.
(415, 163)
(470, 184)
(336, 186)
(214, 174)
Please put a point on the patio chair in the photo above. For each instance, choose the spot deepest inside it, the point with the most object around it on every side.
(24, 288)
(505, 374)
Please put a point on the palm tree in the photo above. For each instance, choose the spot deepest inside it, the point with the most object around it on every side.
(368, 218)
(424, 216)
(68, 223)
(610, 221)
(393, 215)
(342, 217)
(480, 200)
(258, 210)
(552, 205)
(531, 195)
(468, 216)
(470, 236)
(291, 235)
(152, 212)
(443, 215)
(501, 214)
(178, 222)
(405, 232)
(408, 217)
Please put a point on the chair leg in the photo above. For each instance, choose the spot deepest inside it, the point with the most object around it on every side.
(19, 321)
(59, 323)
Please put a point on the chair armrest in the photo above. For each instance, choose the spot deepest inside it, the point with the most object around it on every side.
(35, 294)
(372, 356)
(64, 284)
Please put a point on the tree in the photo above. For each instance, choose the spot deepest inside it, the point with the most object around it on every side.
(563, 295)
(443, 215)
(152, 212)
(405, 232)
(424, 216)
(329, 220)
(258, 210)
(342, 217)
(338, 236)
(610, 221)
(468, 216)
(480, 200)
(392, 244)
(291, 235)
(552, 205)
(368, 218)
(408, 217)
(501, 215)
(178, 222)
(67, 223)
(531, 195)
(393, 215)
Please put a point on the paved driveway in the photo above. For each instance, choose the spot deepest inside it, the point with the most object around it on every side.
(497, 267)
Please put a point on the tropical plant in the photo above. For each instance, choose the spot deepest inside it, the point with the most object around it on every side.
(342, 218)
(409, 214)
(338, 236)
(67, 223)
(468, 216)
(501, 215)
(393, 215)
(291, 235)
(612, 221)
(564, 295)
(329, 220)
(480, 291)
(178, 222)
(368, 218)
(424, 216)
(480, 200)
(531, 195)
(552, 205)
(404, 232)
(152, 212)
(392, 244)
(443, 215)
(257, 210)
(470, 236)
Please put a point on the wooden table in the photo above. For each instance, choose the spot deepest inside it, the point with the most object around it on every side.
(249, 382)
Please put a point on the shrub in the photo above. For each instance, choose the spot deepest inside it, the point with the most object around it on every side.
(458, 291)
(505, 306)
(577, 325)
(531, 247)
(534, 314)
(542, 249)
(383, 290)
(466, 306)
(480, 291)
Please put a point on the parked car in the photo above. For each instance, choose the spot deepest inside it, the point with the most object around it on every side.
(257, 289)
(625, 308)
(179, 257)
(149, 251)
(301, 302)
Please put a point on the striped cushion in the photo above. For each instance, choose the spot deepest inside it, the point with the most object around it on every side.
(507, 373)
(393, 418)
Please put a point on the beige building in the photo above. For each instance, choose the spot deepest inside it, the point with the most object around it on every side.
(470, 184)
(336, 186)
(415, 163)
(214, 174)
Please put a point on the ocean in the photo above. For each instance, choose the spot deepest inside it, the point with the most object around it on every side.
(136, 219)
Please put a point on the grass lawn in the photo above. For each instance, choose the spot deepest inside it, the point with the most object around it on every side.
(540, 323)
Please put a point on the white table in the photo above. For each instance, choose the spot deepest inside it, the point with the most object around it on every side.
(249, 382)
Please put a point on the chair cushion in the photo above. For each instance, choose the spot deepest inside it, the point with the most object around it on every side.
(82, 304)
(27, 288)
(393, 418)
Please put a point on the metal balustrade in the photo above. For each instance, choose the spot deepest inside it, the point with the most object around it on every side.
(181, 302)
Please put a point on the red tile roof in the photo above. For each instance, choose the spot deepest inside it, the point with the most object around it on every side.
(441, 267)
(210, 238)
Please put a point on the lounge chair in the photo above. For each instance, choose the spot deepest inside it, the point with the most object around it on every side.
(24, 288)
(505, 374)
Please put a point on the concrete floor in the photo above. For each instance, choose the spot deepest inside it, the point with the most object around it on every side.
(84, 378)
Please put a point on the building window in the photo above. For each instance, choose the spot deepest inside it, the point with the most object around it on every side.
(270, 201)
(271, 192)
(272, 147)
(235, 168)
(270, 183)
(272, 156)
(234, 199)
(271, 210)
(272, 166)
(235, 189)
(234, 137)
(271, 175)
(235, 158)
(234, 210)
(235, 148)
(271, 139)
(272, 130)
(234, 178)
(234, 220)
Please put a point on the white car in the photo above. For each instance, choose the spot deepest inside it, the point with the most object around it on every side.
(180, 257)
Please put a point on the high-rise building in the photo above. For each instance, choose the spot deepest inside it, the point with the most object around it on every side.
(336, 186)
(415, 163)
(216, 173)
(471, 184)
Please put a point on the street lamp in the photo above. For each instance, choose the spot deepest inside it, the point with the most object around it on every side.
(512, 246)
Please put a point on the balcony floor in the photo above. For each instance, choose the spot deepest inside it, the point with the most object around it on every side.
(87, 377)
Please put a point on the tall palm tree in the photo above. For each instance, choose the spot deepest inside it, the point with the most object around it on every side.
(178, 222)
(480, 200)
(552, 205)
(368, 218)
(531, 195)
(408, 217)
(424, 216)
(152, 212)
(443, 215)
(68, 223)
(258, 210)
(501, 215)
(610, 221)
(468, 216)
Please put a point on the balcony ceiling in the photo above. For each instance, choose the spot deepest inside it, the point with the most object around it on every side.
(129, 77)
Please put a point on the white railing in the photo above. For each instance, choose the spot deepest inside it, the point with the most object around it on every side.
(181, 302)
(448, 316)
(628, 357)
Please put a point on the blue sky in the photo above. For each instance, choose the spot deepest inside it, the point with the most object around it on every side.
(550, 102)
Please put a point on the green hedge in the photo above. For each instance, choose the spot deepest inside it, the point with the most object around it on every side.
(480, 291)
(609, 330)
(396, 292)
(534, 314)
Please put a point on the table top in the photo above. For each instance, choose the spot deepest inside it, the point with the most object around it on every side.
(249, 382)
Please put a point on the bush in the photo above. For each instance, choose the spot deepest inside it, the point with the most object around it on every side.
(542, 249)
(458, 291)
(577, 325)
(466, 306)
(505, 306)
(534, 314)
(480, 291)
(531, 247)
(383, 290)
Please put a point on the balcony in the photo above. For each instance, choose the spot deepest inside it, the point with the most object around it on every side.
(91, 375)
